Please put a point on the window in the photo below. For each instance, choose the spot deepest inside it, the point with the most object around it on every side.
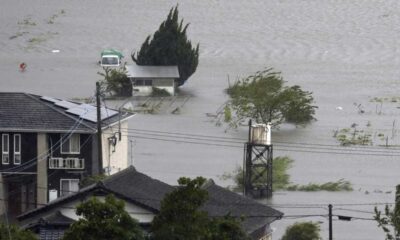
(70, 143)
(139, 82)
(143, 82)
(5, 148)
(66, 163)
(69, 186)
(17, 149)
(148, 82)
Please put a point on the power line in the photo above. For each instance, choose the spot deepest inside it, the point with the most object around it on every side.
(242, 140)
(333, 151)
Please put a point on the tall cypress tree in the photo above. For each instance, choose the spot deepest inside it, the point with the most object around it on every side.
(170, 46)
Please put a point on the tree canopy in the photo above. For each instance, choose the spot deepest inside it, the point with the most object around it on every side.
(302, 231)
(170, 46)
(116, 82)
(13, 232)
(390, 220)
(103, 221)
(264, 98)
(180, 216)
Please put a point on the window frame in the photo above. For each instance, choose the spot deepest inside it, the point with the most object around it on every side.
(19, 152)
(69, 142)
(2, 148)
(69, 185)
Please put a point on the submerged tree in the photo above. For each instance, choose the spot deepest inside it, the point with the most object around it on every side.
(264, 98)
(170, 46)
(103, 221)
(302, 231)
(116, 82)
(389, 221)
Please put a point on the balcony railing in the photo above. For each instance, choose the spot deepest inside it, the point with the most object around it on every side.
(66, 163)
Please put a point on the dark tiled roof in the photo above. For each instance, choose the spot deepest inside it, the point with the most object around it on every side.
(147, 192)
(28, 112)
(138, 187)
(222, 202)
(57, 218)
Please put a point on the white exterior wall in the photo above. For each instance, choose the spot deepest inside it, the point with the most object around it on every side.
(115, 160)
(140, 214)
(167, 84)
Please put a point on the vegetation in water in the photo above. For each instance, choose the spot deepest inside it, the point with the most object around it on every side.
(354, 135)
(116, 82)
(27, 22)
(340, 185)
(263, 97)
(169, 46)
(159, 92)
(281, 179)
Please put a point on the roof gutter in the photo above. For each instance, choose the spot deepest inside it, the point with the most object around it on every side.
(32, 130)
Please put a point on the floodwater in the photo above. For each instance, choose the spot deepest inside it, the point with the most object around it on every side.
(345, 52)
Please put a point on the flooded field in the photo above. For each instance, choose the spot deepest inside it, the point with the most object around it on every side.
(345, 52)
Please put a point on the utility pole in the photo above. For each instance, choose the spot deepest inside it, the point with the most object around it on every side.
(330, 221)
(99, 141)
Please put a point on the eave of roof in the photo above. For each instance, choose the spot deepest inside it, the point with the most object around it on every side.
(24, 112)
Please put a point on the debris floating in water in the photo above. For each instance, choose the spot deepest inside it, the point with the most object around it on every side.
(22, 66)
(339, 108)
(55, 51)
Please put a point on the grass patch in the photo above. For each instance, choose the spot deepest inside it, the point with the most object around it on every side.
(281, 179)
(18, 34)
(393, 99)
(27, 22)
(353, 136)
(37, 40)
(340, 185)
(158, 92)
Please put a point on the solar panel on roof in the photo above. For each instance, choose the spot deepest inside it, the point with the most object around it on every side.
(66, 104)
(49, 99)
(89, 112)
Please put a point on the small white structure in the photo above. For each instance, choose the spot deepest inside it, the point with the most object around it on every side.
(144, 78)
(261, 134)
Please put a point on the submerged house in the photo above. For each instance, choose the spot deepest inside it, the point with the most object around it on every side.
(49, 145)
(145, 78)
(143, 195)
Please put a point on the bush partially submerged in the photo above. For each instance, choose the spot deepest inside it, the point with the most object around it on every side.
(159, 92)
(281, 179)
(340, 185)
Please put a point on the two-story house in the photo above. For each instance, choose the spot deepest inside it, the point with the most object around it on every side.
(48, 145)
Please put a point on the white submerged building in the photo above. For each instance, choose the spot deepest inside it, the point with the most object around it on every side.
(145, 78)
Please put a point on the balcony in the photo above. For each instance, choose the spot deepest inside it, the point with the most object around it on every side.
(66, 163)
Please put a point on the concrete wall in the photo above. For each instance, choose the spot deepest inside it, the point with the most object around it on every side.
(42, 150)
(115, 158)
